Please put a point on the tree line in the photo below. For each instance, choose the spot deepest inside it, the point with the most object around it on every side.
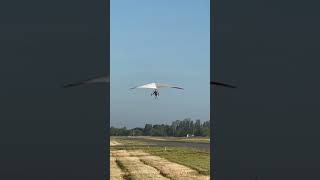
(178, 128)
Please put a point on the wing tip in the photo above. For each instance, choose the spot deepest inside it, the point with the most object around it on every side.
(222, 84)
(72, 85)
(178, 88)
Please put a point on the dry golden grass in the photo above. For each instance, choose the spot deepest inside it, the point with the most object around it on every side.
(169, 169)
(116, 172)
(114, 143)
(136, 169)
(142, 166)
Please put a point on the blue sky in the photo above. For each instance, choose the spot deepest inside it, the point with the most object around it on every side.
(165, 41)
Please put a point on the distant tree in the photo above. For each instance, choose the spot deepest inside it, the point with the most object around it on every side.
(159, 130)
(147, 131)
(168, 130)
(156, 130)
(205, 129)
(137, 132)
(205, 132)
(174, 126)
(197, 128)
(113, 131)
(177, 128)
(123, 132)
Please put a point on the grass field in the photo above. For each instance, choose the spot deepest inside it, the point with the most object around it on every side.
(177, 157)
(198, 160)
(182, 139)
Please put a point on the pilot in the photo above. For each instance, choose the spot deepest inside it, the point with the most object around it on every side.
(155, 93)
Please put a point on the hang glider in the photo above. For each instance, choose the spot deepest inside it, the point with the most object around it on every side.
(94, 80)
(155, 87)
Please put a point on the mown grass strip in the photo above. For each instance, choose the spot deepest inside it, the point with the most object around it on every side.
(198, 160)
(126, 175)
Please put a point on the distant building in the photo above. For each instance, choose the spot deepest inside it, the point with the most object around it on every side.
(190, 135)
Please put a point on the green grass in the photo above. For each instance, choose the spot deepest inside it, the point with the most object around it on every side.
(195, 159)
(184, 139)
(163, 138)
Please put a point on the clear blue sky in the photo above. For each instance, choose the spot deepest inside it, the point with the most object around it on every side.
(165, 41)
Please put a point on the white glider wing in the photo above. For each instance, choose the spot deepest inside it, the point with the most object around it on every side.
(146, 86)
(159, 85)
(156, 86)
